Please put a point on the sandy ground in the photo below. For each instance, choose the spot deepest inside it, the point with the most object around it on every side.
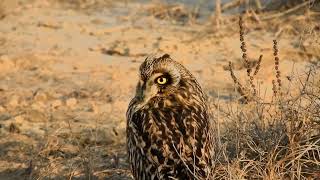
(68, 73)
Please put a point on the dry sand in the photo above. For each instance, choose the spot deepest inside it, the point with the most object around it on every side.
(68, 73)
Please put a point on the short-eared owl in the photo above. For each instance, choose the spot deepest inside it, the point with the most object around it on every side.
(168, 125)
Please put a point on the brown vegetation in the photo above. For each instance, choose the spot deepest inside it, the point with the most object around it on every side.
(278, 139)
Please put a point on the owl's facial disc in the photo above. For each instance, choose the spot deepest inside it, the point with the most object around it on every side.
(155, 86)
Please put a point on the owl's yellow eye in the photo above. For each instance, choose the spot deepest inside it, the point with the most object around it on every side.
(162, 80)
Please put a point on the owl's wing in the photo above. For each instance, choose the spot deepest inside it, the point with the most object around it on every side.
(178, 137)
(171, 139)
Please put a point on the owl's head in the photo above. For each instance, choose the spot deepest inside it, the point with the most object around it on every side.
(161, 77)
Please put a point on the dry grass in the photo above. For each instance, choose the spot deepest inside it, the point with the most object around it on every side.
(277, 139)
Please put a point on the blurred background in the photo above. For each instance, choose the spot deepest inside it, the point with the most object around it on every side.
(68, 70)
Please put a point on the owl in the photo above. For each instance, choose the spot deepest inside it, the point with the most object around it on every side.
(169, 132)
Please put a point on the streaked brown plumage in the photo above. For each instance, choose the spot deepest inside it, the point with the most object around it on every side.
(169, 135)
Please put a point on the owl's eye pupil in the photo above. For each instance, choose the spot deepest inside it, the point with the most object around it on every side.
(162, 80)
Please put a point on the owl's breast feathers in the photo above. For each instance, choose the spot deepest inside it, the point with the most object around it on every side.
(172, 136)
